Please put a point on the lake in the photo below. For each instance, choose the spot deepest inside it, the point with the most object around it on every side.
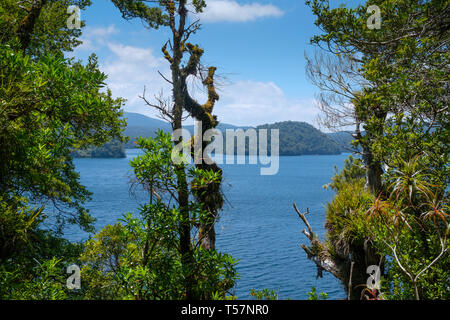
(258, 225)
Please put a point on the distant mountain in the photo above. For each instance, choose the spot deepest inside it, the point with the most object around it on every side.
(301, 138)
(143, 126)
(139, 125)
(296, 138)
(139, 120)
(112, 149)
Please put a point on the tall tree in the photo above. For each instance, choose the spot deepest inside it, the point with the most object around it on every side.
(50, 105)
(341, 80)
(394, 85)
(413, 36)
(174, 14)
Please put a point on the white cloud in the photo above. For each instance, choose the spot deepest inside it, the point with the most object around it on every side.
(129, 69)
(92, 37)
(232, 11)
(254, 103)
(101, 31)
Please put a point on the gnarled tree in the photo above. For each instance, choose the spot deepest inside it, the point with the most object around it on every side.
(174, 15)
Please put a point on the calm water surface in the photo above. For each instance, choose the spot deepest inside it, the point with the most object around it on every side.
(258, 225)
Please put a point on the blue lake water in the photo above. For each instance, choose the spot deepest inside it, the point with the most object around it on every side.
(258, 225)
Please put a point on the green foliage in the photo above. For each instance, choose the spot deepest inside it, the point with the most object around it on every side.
(219, 296)
(16, 225)
(50, 106)
(411, 226)
(154, 17)
(345, 213)
(408, 228)
(312, 295)
(117, 268)
(50, 34)
(264, 294)
(33, 261)
(296, 138)
(345, 218)
(407, 71)
(353, 171)
(156, 14)
(46, 283)
(140, 259)
(411, 245)
(403, 111)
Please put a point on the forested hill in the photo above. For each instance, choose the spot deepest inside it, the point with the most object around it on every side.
(112, 149)
(301, 138)
(296, 138)
(142, 126)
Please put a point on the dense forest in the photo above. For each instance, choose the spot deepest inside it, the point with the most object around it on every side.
(111, 149)
(387, 225)
(296, 138)
(300, 138)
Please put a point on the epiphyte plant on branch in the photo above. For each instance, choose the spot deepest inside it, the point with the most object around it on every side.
(392, 84)
(184, 59)
(175, 15)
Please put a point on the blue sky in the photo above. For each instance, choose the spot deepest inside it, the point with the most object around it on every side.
(257, 45)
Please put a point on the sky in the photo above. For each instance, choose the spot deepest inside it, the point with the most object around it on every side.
(258, 47)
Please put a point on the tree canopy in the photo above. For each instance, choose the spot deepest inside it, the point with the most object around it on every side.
(50, 105)
(394, 86)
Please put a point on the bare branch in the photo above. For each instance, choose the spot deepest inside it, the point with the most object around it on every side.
(310, 233)
(322, 263)
(165, 77)
(162, 106)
